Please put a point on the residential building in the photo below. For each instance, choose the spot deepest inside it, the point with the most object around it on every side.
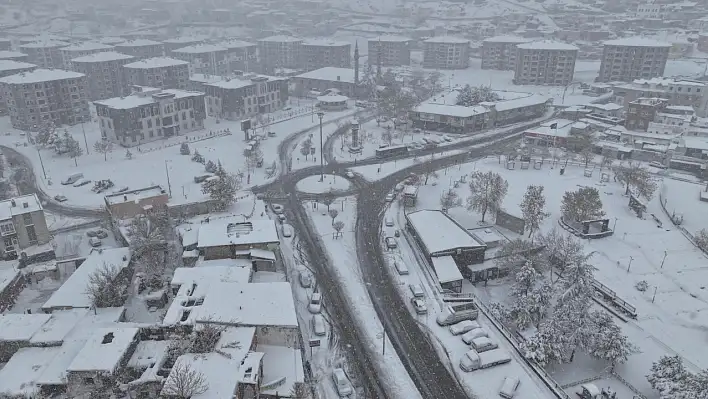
(159, 72)
(545, 63)
(499, 52)
(68, 53)
(279, 52)
(149, 115)
(320, 53)
(23, 225)
(44, 53)
(183, 41)
(132, 203)
(650, 10)
(446, 52)
(10, 67)
(45, 95)
(208, 59)
(642, 111)
(105, 73)
(390, 51)
(13, 55)
(678, 92)
(243, 56)
(220, 240)
(320, 80)
(633, 58)
(554, 133)
(244, 96)
(198, 80)
(112, 40)
(141, 48)
(701, 45)
(5, 44)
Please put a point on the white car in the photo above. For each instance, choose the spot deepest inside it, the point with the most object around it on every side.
(95, 242)
(349, 174)
(277, 208)
(391, 243)
(287, 230)
(60, 198)
(389, 197)
(463, 327)
(341, 382)
(315, 305)
(305, 279)
(472, 334)
(389, 222)
(419, 305)
(319, 327)
(657, 165)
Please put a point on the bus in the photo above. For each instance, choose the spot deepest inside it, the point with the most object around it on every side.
(396, 150)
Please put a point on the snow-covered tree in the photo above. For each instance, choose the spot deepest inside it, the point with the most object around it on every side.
(305, 147)
(184, 382)
(103, 147)
(487, 192)
(222, 188)
(533, 208)
(72, 147)
(701, 239)
(465, 97)
(581, 205)
(210, 167)
(197, 157)
(328, 199)
(333, 213)
(669, 376)
(145, 232)
(636, 178)
(609, 343)
(561, 250)
(450, 199)
(387, 135)
(547, 346)
(576, 280)
(46, 134)
(532, 297)
(128, 154)
(184, 149)
(104, 288)
(571, 316)
(586, 155)
(338, 227)
(469, 96)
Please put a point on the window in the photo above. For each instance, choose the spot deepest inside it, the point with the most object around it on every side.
(27, 219)
(31, 235)
(88, 381)
(7, 228)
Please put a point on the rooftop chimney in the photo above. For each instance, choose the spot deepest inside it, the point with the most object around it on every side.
(25, 205)
(125, 198)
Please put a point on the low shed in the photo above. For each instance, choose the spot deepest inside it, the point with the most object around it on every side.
(448, 273)
(439, 235)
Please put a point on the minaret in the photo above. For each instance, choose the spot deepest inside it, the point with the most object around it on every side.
(356, 63)
(378, 61)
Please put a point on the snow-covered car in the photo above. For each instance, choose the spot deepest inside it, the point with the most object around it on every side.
(60, 198)
(463, 327)
(472, 334)
(101, 234)
(349, 174)
(318, 325)
(277, 208)
(389, 222)
(509, 387)
(281, 218)
(419, 306)
(341, 382)
(390, 197)
(657, 165)
(315, 305)
(287, 230)
(82, 182)
(446, 138)
(391, 243)
(95, 242)
(305, 279)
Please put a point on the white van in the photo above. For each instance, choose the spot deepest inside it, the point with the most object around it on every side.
(483, 344)
(509, 387)
(416, 290)
(401, 268)
(73, 179)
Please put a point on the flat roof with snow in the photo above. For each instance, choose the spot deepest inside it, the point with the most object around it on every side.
(226, 234)
(235, 43)
(156, 62)
(204, 275)
(200, 49)
(238, 82)
(8, 276)
(87, 46)
(19, 375)
(138, 100)
(21, 327)
(507, 39)
(139, 194)
(104, 349)
(19, 206)
(506, 105)
(185, 39)
(102, 57)
(45, 44)
(10, 65)
(280, 362)
(72, 294)
(447, 40)
(40, 75)
(281, 39)
(390, 38)
(636, 41)
(547, 45)
(562, 128)
(446, 269)
(220, 374)
(137, 43)
(331, 74)
(439, 233)
(606, 107)
(58, 327)
(11, 54)
(324, 42)
(458, 111)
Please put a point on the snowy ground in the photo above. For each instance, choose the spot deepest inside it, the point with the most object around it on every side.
(312, 184)
(675, 322)
(682, 197)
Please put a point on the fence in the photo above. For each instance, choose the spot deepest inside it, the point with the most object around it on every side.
(188, 139)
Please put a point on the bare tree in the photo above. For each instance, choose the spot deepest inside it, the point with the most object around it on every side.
(205, 337)
(533, 208)
(305, 147)
(586, 155)
(299, 391)
(328, 199)
(145, 232)
(387, 135)
(338, 226)
(184, 382)
(450, 199)
(104, 290)
(103, 147)
(333, 213)
(487, 192)
(636, 178)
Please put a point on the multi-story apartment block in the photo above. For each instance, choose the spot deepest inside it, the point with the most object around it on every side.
(631, 58)
(13, 55)
(45, 95)
(7, 68)
(104, 72)
(112, 40)
(208, 59)
(545, 63)
(499, 52)
(149, 115)
(44, 53)
(245, 96)
(320, 53)
(141, 48)
(198, 80)
(243, 56)
(22, 224)
(389, 51)
(158, 72)
(692, 93)
(279, 52)
(446, 52)
(184, 41)
(5, 44)
(79, 50)
(642, 111)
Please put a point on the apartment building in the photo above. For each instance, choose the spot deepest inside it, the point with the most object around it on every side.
(320, 53)
(342, 79)
(81, 49)
(183, 41)
(158, 72)
(389, 50)
(499, 52)
(7, 68)
(446, 52)
(105, 73)
(141, 48)
(44, 53)
(44, 95)
(209, 59)
(112, 40)
(22, 225)
(642, 111)
(545, 62)
(150, 114)
(243, 56)
(13, 55)
(677, 92)
(633, 58)
(5, 44)
(279, 52)
(245, 96)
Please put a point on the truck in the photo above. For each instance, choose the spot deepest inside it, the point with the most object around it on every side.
(472, 360)
(455, 313)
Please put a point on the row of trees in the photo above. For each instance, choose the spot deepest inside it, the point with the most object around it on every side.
(470, 96)
(670, 377)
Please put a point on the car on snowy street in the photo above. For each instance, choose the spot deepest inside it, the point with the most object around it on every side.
(277, 208)
(305, 279)
(315, 305)
(389, 197)
(318, 325)
(82, 182)
(341, 382)
(419, 306)
(349, 174)
(60, 198)
(463, 327)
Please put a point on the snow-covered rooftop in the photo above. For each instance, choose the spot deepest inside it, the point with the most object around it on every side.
(147, 192)
(103, 57)
(699, 143)
(4, 55)
(19, 375)
(156, 62)
(40, 75)
(200, 49)
(446, 269)
(205, 275)
(220, 373)
(235, 43)
(505, 105)
(280, 362)
(547, 45)
(147, 353)
(10, 65)
(332, 98)
(507, 39)
(72, 294)
(111, 40)
(447, 40)
(104, 350)
(87, 46)
(21, 327)
(331, 74)
(605, 107)
(137, 100)
(19, 206)
(138, 43)
(185, 39)
(450, 110)
(325, 42)
(204, 78)
(8, 275)
(44, 44)
(439, 233)
(58, 327)
(223, 234)
(637, 41)
(281, 39)
(224, 262)
(238, 82)
(390, 38)
(562, 128)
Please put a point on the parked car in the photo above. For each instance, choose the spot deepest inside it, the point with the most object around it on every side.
(389, 222)
(416, 290)
(476, 333)
(483, 344)
(391, 243)
(60, 198)
(349, 174)
(456, 313)
(82, 182)
(509, 387)
(271, 134)
(101, 234)
(463, 327)
(389, 197)
(657, 164)
(318, 325)
(419, 306)
(277, 208)
(72, 179)
(341, 382)
(95, 242)
(401, 268)
(315, 305)
(305, 279)
(202, 178)
(281, 218)
(287, 230)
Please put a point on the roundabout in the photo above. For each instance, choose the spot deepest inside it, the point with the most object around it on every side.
(313, 185)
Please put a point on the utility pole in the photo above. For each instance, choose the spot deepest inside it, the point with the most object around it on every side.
(320, 114)
(662, 261)
(169, 186)
(42, 163)
(84, 132)
(630, 263)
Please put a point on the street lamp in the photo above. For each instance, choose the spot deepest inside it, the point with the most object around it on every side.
(320, 114)
(630, 263)
(663, 260)
(167, 172)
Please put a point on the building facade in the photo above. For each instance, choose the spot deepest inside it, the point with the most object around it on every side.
(446, 52)
(320, 53)
(141, 48)
(13, 55)
(104, 73)
(279, 52)
(642, 111)
(7, 68)
(45, 53)
(500, 52)
(159, 72)
(46, 96)
(210, 59)
(180, 42)
(389, 51)
(150, 115)
(633, 58)
(23, 225)
(545, 63)
(243, 56)
(342, 79)
(242, 97)
(5, 44)
(684, 92)
(68, 53)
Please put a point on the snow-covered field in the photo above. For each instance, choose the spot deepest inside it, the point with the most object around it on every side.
(312, 184)
(682, 198)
